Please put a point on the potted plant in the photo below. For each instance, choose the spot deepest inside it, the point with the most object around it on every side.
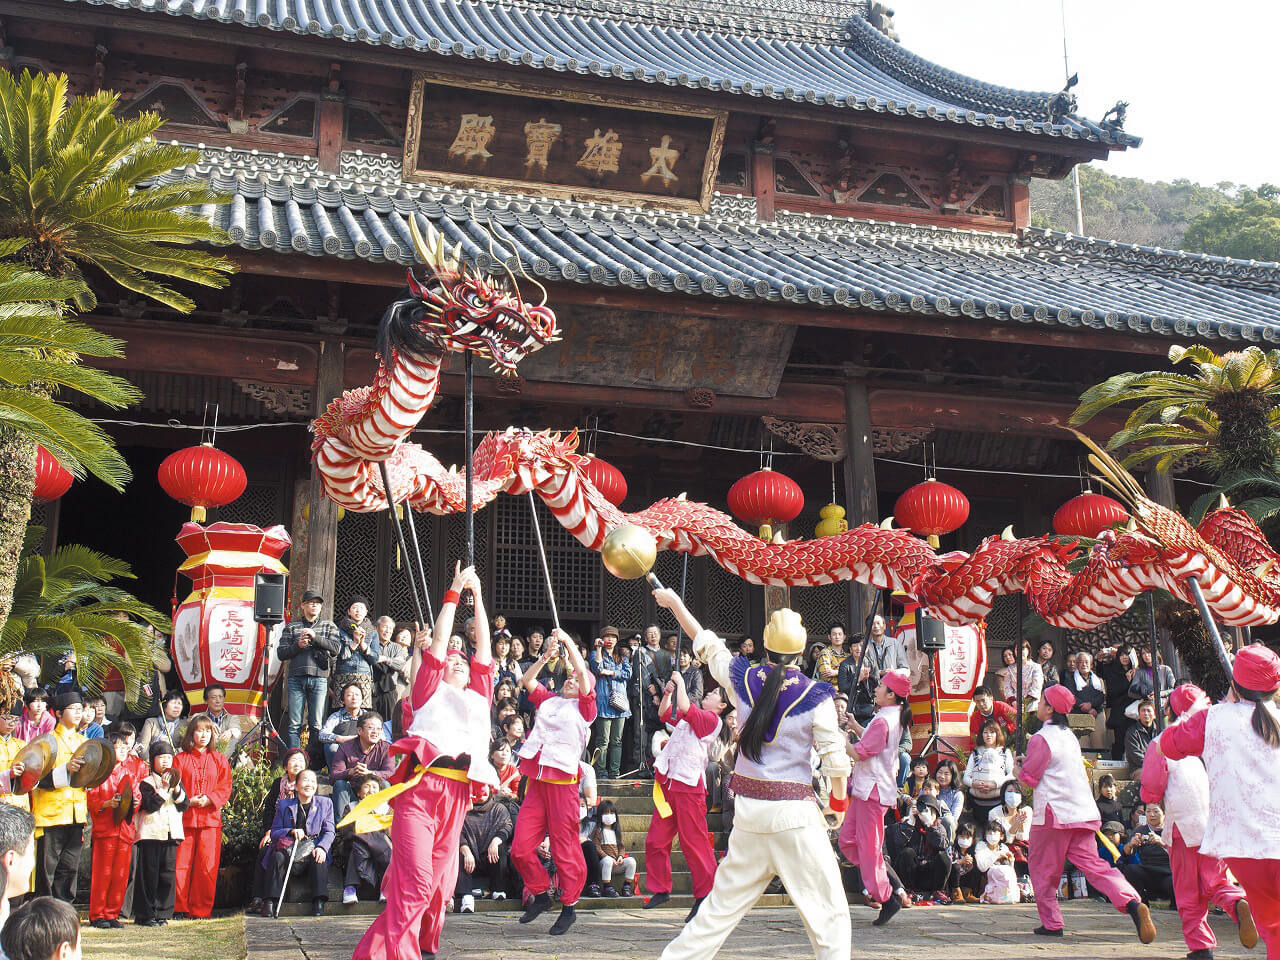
(251, 778)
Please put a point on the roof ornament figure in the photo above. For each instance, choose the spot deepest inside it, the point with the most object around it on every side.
(1113, 119)
(1063, 102)
(880, 16)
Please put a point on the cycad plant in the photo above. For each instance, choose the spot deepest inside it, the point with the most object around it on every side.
(70, 179)
(67, 600)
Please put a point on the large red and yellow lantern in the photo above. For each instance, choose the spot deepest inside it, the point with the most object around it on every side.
(1088, 515)
(606, 478)
(958, 669)
(202, 477)
(766, 498)
(931, 509)
(215, 638)
(52, 478)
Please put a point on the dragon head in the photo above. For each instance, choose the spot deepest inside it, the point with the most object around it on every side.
(459, 309)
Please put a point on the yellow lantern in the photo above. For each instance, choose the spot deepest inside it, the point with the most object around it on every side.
(832, 522)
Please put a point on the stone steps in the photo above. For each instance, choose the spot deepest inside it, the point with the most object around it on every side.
(512, 907)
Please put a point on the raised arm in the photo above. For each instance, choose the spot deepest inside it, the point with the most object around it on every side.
(575, 659)
(670, 600)
(529, 679)
(449, 608)
(681, 694)
(484, 640)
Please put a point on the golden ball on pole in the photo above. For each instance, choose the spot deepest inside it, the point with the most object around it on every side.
(629, 552)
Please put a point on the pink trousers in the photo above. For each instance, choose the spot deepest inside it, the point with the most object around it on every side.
(689, 820)
(1199, 881)
(422, 873)
(1051, 846)
(1261, 882)
(550, 810)
(862, 842)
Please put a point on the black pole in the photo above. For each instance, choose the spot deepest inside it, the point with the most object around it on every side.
(417, 553)
(469, 426)
(1209, 625)
(1021, 706)
(862, 655)
(1155, 659)
(391, 505)
(684, 583)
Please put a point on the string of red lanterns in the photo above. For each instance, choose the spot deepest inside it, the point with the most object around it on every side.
(1087, 515)
(52, 478)
(765, 498)
(606, 478)
(932, 509)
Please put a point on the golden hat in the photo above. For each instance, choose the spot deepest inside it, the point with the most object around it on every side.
(785, 633)
(99, 761)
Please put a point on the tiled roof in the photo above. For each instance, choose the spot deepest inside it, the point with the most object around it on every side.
(670, 44)
(1037, 277)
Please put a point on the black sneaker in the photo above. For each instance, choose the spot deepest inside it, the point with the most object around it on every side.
(887, 910)
(608, 891)
(101, 924)
(593, 890)
(693, 911)
(536, 907)
(116, 925)
(657, 900)
(1201, 954)
(1046, 932)
(564, 921)
(628, 889)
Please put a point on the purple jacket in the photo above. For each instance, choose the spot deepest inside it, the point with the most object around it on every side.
(319, 824)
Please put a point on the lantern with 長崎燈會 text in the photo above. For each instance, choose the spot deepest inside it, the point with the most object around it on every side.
(215, 638)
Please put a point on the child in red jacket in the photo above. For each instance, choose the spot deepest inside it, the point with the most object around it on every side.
(113, 835)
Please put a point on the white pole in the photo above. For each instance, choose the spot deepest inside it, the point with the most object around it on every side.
(1066, 73)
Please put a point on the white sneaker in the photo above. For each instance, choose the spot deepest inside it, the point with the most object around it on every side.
(498, 895)
(468, 904)
(382, 898)
(349, 895)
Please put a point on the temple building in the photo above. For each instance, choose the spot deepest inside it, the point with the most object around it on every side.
(764, 225)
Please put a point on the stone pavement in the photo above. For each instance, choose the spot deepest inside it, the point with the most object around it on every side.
(1095, 932)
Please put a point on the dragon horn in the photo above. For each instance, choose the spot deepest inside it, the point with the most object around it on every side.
(1223, 502)
(1112, 475)
(432, 249)
(1007, 533)
(1264, 569)
(887, 523)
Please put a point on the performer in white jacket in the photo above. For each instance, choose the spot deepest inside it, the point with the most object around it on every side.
(1065, 819)
(778, 827)
(1182, 786)
(1239, 741)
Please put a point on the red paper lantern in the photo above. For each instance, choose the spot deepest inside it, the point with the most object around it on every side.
(202, 477)
(606, 478)
(52, 478)
(1088, 515)
(931, 509)
(766, 498)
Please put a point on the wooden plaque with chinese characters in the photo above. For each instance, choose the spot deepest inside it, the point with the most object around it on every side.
(663, 351)
(566, 144)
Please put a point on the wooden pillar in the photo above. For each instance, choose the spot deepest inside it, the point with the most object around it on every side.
(316, 571)
(859, 482)
(762, 179)
(1020, 200)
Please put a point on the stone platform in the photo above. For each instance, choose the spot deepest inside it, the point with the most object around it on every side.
(1095, 932)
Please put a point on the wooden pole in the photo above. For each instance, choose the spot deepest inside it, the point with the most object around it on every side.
(322, 520)
(469, 426)
(859, 478)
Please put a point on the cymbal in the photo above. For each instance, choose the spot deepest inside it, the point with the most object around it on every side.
(99, 761)
(124, 809)
(37, 758)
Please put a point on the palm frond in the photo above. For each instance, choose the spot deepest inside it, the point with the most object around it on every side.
(78, 444)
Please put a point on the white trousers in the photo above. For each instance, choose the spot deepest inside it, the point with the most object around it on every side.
(802, 857)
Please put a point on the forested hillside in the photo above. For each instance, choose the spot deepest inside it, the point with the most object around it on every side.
(1225, 219)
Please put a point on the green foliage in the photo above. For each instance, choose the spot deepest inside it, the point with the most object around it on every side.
(1224, 414)
(64, 600)
(70, 173)
(242, 816)
(40, 351)
(1247, 227)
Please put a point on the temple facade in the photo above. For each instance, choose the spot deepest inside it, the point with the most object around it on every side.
(764, 225)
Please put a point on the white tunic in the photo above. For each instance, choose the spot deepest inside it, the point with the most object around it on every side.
(1064, 786)
(456, 722)
(1244, 804)
(1186, 800)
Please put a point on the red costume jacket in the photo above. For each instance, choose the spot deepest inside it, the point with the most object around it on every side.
(101, 810)
(205, 773)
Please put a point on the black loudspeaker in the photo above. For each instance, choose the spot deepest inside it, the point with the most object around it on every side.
(268, 598)
(931, 634)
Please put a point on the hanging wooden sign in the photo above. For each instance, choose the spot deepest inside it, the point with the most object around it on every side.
(577, 145)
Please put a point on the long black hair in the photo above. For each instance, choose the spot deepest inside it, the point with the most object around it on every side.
(751, 742)
(1264, 724)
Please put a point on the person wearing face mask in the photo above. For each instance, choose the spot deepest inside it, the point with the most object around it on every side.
(924, 864)
(967, 880)
(1239, 741)
(549, 759)
(607, 838)
(1148, 866)
(445, 750)
(995, 861)
(1198, 880)
(1015, 819)
(1065, 819)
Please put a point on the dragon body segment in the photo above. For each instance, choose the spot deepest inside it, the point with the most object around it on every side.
(457, 310)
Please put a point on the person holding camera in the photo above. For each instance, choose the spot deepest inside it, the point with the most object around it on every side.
(612, 669)
(308, 644)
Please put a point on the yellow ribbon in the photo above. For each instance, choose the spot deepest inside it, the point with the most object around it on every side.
(660, 801)
(1111, 847)
(371, 803)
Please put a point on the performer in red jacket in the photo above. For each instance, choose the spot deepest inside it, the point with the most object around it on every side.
(445, 750)
(1239, 741)
(206, 778)
(112, 838)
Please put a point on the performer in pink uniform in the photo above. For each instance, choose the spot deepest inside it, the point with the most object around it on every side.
(1064, 820)
(1239, 741)
(549, 758)
(445, 750)
(873, 788)
(1182, 786)
(681, 792)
